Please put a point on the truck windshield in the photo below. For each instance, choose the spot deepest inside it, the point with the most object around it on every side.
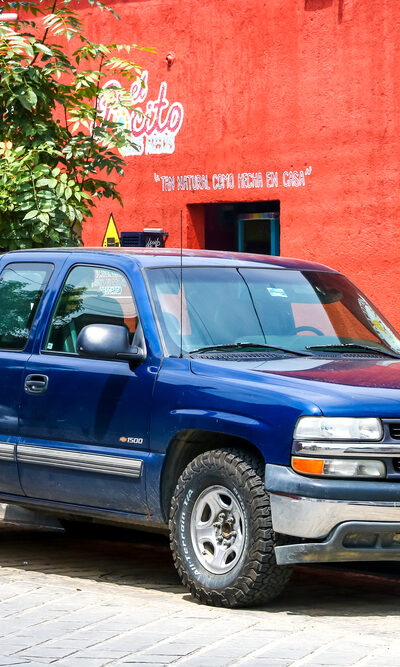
(303, 311)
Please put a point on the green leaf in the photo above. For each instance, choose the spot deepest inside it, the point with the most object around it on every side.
(40, 169)
(31, 97)
(50, 182)
(24, 101)
(44, 49)
(30, 215)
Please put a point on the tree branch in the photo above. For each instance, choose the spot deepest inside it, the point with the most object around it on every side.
(43, 40)
(94, 119)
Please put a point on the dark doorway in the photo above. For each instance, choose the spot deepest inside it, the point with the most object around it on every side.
(243, 227)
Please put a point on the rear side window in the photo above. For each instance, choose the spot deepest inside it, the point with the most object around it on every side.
(90, 295)
(21, 287)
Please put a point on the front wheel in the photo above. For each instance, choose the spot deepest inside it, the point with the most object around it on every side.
(221, 531)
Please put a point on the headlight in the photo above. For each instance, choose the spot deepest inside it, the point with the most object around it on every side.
(361, 468)
(338, 428)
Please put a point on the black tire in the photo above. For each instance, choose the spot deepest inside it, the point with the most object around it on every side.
(254, 578)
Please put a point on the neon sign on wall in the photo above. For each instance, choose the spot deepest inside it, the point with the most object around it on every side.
(154, 129)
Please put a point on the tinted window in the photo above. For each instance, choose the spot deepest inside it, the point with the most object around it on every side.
(91, 295)
(21, 288)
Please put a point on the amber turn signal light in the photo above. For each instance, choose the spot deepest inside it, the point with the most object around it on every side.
(308, 466)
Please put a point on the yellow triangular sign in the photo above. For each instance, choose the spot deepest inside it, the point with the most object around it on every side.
(111, 237)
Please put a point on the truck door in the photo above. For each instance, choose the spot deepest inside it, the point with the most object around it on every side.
(21, 288)
(85, 425)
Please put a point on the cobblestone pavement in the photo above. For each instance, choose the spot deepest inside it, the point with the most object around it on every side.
(116, 600)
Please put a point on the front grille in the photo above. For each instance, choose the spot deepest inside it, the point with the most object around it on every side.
(394, 430)
(396, 465)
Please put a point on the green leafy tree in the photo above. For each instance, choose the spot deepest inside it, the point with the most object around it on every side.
(57, 152)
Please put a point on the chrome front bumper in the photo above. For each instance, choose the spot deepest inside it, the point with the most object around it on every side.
(333, 520)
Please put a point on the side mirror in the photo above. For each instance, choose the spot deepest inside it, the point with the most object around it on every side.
(108, 341)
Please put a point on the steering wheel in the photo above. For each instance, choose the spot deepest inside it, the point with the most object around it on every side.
(318, 332)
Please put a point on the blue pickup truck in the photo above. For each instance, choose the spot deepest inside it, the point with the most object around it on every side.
(250, 403)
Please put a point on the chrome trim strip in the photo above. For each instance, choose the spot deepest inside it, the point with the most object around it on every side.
(7, 451)
(336, 448)
(65, 458)
(314, 517)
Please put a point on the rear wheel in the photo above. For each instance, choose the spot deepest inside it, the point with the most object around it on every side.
(221, 531)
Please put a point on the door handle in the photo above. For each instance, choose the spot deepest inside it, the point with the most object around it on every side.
(36, 384)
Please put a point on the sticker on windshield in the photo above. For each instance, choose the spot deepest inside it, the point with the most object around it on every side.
(277, 291)
(380, 327)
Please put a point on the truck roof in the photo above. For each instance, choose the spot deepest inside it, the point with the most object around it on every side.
(158, 257)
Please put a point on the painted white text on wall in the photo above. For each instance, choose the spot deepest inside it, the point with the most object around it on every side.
(290, 178)
(155, 123)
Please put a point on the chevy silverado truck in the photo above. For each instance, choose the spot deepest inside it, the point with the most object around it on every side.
(250, 404)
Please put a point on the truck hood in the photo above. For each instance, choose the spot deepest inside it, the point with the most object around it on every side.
(358, 386)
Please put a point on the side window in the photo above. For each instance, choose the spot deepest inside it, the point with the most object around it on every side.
(21, 288)
(90, 295)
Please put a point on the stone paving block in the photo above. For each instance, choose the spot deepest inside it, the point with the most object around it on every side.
(381, 661)
(340, 654)
(93, 633)
(39, 661)
(37, 635)
(216, 653)
(269, 662)
(151, 659)
(136, 642)
(338, 660)
(128, 623)
(142, 664)
(10, 659)
(41, 652)
(81, 662)
(218, 661)
(294, 652)
(97, 653)
(65, 643)
(11, 650)
(204, 662)
(345, 663)
(15, 641)
(247, 642)
(173, 648)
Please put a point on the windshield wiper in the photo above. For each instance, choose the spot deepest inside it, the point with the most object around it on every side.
(240, 346)
(353, 346)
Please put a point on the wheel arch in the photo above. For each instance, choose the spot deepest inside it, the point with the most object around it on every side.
(184, 447)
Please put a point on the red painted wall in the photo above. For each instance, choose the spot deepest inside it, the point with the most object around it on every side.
(274, 86)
